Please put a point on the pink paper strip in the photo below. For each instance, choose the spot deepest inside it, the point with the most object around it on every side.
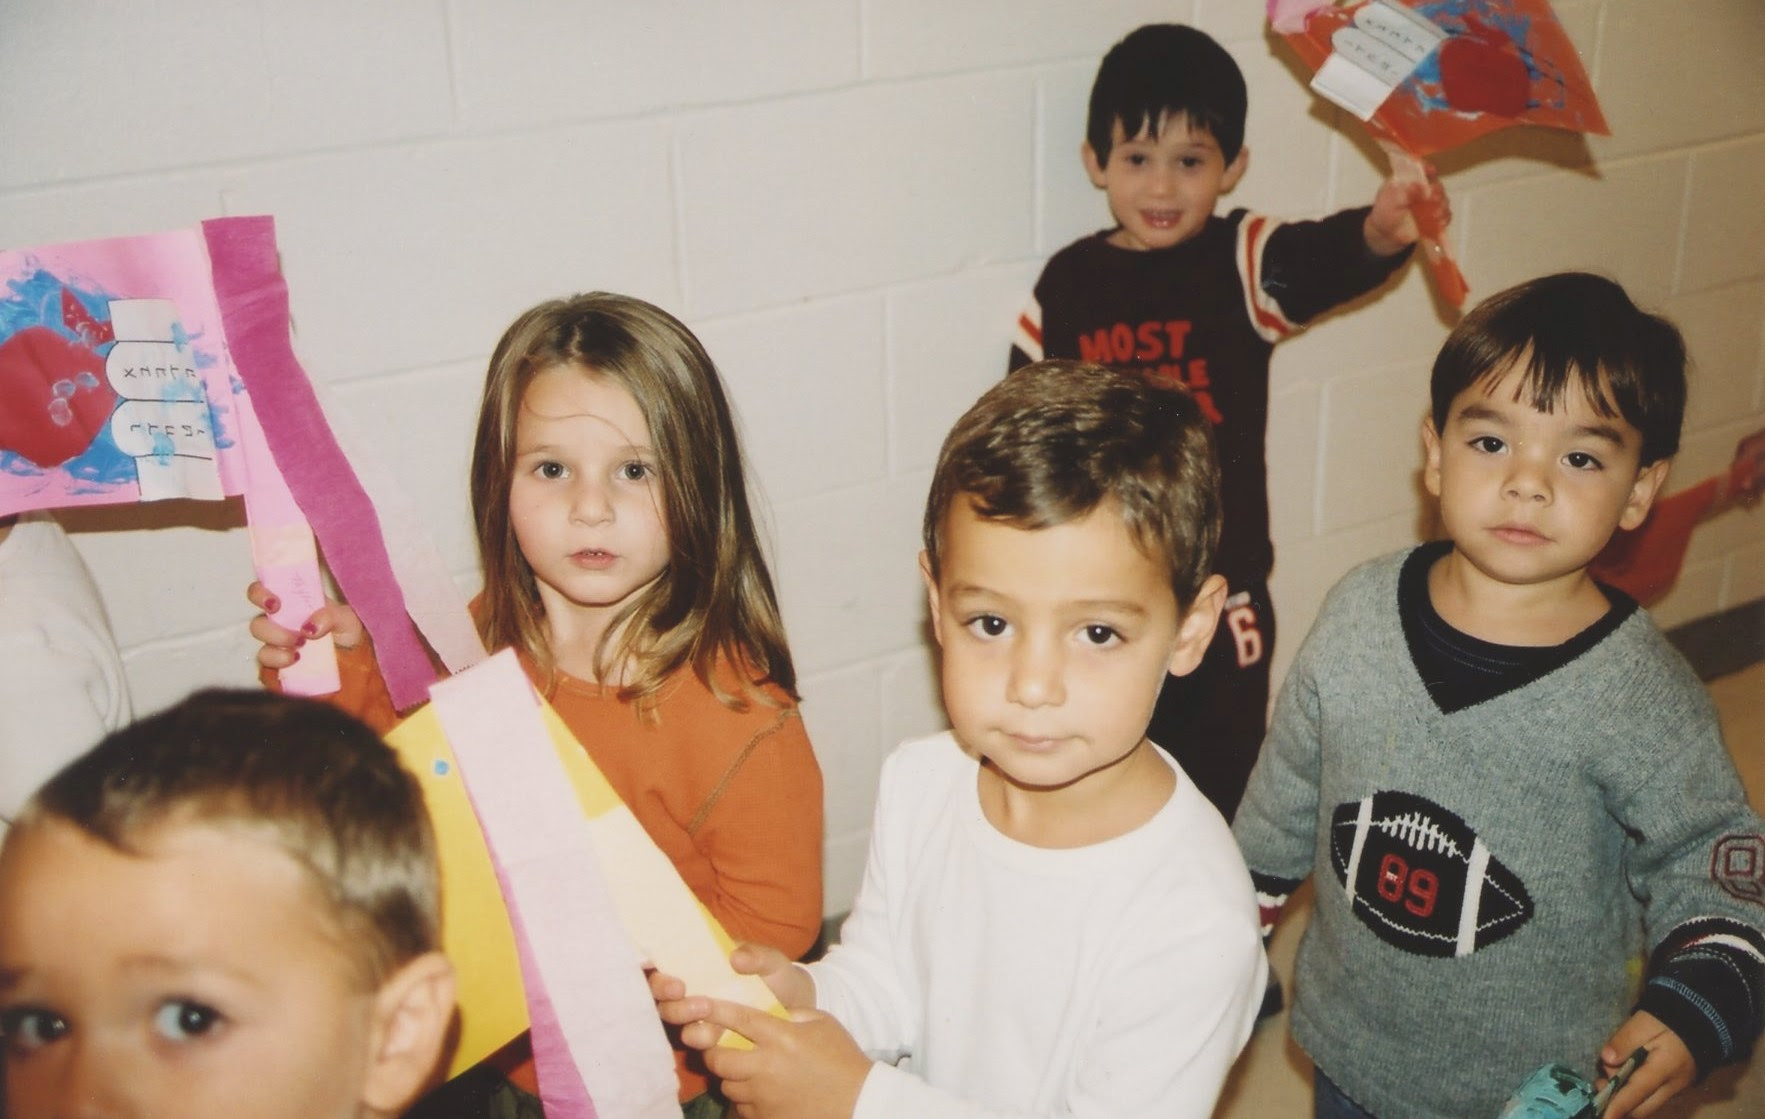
(605, 1021)
(254, 312)
(431, 597)
(282, 551)
(561, 1089)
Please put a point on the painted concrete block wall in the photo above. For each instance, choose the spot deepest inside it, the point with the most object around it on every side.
(848, 199)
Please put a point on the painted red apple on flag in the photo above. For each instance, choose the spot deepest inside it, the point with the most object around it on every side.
(56, 396)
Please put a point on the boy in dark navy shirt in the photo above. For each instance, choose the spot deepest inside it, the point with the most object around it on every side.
(1187, 296)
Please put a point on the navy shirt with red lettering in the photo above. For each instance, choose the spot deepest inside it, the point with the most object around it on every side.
(1207, 313)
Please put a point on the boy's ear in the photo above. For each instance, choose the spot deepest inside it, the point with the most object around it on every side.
(1195, 631)
(1235, 170)
(1642, 494)
(1093, 167)
(931, 592)
(1430, 456)
(413, 1011)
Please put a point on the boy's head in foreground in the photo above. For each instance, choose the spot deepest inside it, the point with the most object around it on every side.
(1069, 540)
(1164, 137)
(1556, 405)
(229, 908)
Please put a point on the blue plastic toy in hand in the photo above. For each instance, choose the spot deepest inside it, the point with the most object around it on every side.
(1559, 1092)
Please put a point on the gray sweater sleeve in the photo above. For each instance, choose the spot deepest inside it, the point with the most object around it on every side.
(1698, 864)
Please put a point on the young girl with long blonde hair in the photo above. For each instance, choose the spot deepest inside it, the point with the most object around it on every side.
(622, 564)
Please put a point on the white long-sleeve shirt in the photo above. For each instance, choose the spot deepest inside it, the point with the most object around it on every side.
(1113, 981)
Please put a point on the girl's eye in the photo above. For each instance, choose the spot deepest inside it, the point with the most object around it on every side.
(1581, 460)
(1135, 159)
(1101, 635)
(184, 1019)
(1190, 162)
(1488, 444)
(552, 470)
(634, 471)
(27, 1029)
(988, 625)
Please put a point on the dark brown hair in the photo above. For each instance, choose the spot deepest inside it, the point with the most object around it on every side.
(1572, 330)
(1158, 71)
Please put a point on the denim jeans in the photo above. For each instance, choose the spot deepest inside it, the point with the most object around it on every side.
(1330, 1103)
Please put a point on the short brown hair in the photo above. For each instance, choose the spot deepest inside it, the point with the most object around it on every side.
(1056, 439)
(310, 779)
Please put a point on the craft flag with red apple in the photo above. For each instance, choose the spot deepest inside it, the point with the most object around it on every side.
(1426, 76)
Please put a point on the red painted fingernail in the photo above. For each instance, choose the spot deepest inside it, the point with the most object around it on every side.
(272, 604)
(310, 630)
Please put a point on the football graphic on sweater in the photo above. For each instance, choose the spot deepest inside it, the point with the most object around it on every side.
(1421, 878)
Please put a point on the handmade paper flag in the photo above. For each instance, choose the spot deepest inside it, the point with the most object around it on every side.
(116, 375)
(1429, 75)
(121, 387)
(161, 366)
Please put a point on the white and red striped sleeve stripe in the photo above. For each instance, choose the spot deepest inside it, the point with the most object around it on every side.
(1265, 314)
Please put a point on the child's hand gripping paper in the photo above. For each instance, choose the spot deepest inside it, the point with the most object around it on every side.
(682, 1005)
(285, 632)
(795, 1064)
(1411, 208)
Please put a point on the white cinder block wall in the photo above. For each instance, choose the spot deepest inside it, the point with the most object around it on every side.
(848, 200)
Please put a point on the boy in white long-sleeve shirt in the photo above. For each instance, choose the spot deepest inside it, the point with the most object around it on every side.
(1053, 921)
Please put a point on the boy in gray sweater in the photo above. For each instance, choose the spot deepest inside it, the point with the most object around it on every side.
(1503, 781)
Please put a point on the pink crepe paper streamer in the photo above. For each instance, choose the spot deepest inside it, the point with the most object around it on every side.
(254, 313)
(431, 597)
(561, 1089)
(589, 1008)
(283, 553)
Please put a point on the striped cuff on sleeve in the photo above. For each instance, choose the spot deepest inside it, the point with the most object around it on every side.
(1707, 984)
